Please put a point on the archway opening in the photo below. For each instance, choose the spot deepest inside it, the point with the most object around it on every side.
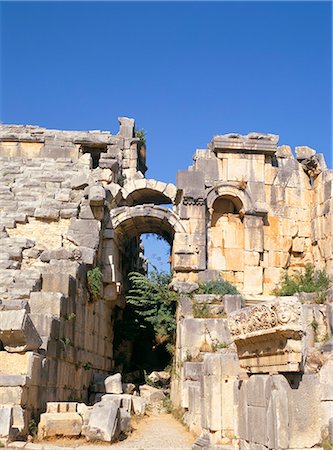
(144, 331)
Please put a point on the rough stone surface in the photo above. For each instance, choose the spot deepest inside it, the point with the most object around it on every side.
(104, 422)
(17, 331)
(64, 424)
(113, 384)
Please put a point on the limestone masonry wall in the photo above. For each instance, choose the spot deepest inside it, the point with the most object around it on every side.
(247, 210)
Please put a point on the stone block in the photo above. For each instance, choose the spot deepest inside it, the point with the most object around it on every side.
(257, 428)
(47, 213)
(139, 405)
(232, 303)
(57, 282)
(151, 394)
(256, 393)
(84, 232)
(253, 280)
(284, 151)
(125, 420)
(277, 412)
(126, 128)
(17, 331)
(46, 302)
(96, 195)
(84, 254)
(128, 388)
(330, 430)
(304, 152)
(59, 253)
(123, 400)
(104, 422)
(6, 420)
(193, 370)
(298, 245)
(113, 384)
(64, 424)
(304, 411)
(81, 180)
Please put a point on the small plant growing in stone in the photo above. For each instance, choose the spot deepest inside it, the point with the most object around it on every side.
(309, 281)
(87, 365)
(66, 341)
(32, 428)
(200, 310)
(70, 316)
(94, 282)
(314, 325)
(218, 345)
(141, 134)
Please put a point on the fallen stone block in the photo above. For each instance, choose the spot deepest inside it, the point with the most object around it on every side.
(64, 424)
(125, 420)
(128, 388)
(104, 422)
(161, 378)
(139, 405)
(17, 332)
(113, 384)
(151, 394)
(123, 400)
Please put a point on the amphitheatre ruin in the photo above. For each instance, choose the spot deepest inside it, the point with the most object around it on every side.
(251, 369)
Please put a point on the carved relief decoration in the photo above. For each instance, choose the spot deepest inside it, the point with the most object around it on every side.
(266, 317)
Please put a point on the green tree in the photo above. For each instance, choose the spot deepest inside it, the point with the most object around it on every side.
(154, 304)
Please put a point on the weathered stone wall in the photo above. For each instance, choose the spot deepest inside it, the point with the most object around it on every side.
(246, 210)
(254, 211)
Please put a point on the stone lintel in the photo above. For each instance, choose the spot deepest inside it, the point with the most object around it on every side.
(252, 143)
(269, 336)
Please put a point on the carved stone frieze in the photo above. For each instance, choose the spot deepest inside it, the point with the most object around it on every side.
(269, 336)
(187, 200)
(267, 318)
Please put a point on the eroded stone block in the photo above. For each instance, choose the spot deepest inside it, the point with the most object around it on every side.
(17, 331)
(113, 384)
(104, 422)
(64, 424)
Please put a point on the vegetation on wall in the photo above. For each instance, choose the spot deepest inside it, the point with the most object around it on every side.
(141, 134)
(310, 280)
(218, 287)
(154, 304)
(94, 283)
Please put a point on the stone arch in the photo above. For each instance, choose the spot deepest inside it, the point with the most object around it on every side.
(143, 191)
(232, 191)
(132, 221)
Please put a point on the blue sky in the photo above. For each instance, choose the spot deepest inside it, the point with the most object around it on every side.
(184, 71)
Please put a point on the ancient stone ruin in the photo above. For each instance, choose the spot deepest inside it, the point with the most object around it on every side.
(257, 376)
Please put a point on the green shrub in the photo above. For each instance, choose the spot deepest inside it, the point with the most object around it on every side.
(32, 428)
(94, 283)
(141, 134)
(154, 304)
(308, 281)
(218, 287)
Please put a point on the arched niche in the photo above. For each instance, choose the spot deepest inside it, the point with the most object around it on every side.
(224, 205)
(225, 236)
